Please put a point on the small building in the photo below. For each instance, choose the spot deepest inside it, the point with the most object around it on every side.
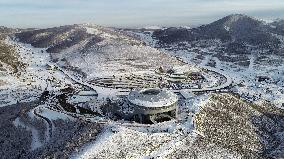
(195, 76)
(262, 78)
(178, 76)
(88, 93)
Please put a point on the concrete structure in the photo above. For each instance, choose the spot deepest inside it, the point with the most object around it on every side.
(146, 104)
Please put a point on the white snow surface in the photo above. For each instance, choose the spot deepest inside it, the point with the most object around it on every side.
(34, 80)
(133, 144)
(53, 115)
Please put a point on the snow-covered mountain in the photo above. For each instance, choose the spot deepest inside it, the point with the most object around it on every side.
(240, 29)
(245, 47)
(56, 85)
(96, 50)
(59, 38)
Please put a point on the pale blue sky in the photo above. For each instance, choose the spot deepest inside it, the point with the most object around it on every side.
(131, 13)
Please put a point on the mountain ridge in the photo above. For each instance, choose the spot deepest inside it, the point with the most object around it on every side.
(233, 28)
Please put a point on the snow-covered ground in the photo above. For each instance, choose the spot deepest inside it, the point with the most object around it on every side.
(51, 114)
(127, 143)
(245, 79)
(271, 90)
(121, 139)
(152, 141)
(36, 78)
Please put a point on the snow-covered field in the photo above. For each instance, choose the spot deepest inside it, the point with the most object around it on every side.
(36, 78)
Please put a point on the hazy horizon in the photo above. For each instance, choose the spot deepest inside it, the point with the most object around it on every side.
(130, 13)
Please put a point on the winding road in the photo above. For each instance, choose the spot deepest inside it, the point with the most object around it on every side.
(49, 127)
(222, 86)
(36, 143)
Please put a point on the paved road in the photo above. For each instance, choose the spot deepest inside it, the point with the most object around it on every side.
(222, 86)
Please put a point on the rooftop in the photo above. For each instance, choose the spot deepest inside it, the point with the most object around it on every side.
(152, 98)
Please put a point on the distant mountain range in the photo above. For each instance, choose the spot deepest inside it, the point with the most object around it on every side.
(234, 29)
(231, 39)
(60, 38)
(234, 35)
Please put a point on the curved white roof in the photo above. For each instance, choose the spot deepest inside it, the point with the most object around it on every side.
(152, 98)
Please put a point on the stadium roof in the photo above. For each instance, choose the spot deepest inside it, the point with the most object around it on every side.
(152, 98)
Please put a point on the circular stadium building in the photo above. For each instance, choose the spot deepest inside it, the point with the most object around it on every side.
(151, 105)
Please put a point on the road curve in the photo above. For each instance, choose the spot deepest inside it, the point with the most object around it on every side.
(49, 123)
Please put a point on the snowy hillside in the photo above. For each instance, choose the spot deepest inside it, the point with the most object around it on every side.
(244, 47)
(64, 91)
(96, 51)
